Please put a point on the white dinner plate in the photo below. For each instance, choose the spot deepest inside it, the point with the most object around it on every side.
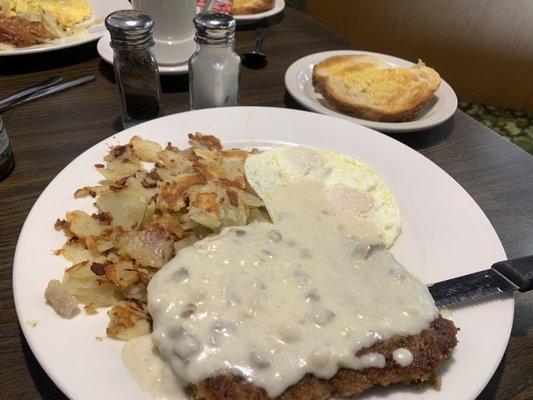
(299, 83)
(445, 234)
(106, 52)
(101, 9)
(252, 18)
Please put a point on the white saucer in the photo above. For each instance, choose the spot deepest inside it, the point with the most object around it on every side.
(252, 18)
(106, 52)
(299, 83)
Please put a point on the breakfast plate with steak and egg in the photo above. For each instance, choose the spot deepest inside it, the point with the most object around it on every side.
(254, 253)
(37, 26)
(379, 91)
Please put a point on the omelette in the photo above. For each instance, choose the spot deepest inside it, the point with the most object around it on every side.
(66, 13)
(350, 184)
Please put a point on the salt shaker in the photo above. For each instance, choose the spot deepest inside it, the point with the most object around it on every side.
(214, 68)
(136, 69)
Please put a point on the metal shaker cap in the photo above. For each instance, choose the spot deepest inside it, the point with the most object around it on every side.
(130, 30)
(214, 28)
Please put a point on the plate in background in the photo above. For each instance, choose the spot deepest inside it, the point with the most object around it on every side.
(101, 9)
(106, 52)
(252, 18)
(299, 83)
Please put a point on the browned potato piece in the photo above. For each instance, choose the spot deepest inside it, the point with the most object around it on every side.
(84, 281)
(128, 320)
(64, 303)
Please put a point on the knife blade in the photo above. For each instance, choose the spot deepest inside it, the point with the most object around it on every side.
(30, 90)
(504, 277)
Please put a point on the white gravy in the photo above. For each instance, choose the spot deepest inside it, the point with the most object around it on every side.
(403, 357)
(152, 374)
(273, 302)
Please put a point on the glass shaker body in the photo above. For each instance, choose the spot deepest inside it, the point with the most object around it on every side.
(214, 71)
(137, 78)
(136, 70)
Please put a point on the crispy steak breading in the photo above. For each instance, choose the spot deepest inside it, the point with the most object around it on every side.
(431, 348)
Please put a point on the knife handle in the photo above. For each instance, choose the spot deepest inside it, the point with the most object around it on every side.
(518, 270)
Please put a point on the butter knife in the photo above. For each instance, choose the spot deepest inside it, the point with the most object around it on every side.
(30, 90)
(504, 277)
(48, 91)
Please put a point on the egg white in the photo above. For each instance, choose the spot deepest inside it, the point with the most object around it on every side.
(350, 184)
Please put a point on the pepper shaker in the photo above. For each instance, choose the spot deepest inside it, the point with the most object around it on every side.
(136, 69)
(214, 68)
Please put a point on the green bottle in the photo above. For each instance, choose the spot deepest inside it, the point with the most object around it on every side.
(7, 159)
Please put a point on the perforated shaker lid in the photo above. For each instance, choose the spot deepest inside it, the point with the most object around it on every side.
(214, 28)
(130, 30)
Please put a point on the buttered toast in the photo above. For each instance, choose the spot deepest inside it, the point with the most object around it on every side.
(244, 7)
(368, 87)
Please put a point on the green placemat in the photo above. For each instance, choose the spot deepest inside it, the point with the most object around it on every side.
(298, 4)
(517, 126)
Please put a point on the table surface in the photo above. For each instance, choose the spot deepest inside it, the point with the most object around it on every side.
(47, 134)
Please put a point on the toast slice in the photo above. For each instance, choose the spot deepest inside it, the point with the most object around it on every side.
(430, 348)
(244, 7)
(368, 87)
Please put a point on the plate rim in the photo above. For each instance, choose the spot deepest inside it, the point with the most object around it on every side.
(291, 83)
(164, 69)
(279, 6)
(27, 330)
(49, 47)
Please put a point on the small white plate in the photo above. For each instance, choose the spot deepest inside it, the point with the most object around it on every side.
(299, 83)
(101, 9)
(252, 18)
(106, 52)
(444, 234)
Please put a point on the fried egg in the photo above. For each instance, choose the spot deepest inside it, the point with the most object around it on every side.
(350, 185)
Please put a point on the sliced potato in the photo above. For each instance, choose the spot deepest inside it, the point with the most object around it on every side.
(205, 209)
(83, 225)
(151, 247)
(92, 191)
(127, 321)
(122, 274)
(175, 163)
(128, 206)
(146, 150)
(88, 287)
(76, 252)
(118, 169)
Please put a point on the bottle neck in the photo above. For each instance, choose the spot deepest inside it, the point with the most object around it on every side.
(132, 50)
(216, 48)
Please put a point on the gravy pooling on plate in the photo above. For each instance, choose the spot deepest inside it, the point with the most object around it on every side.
(273, 302)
